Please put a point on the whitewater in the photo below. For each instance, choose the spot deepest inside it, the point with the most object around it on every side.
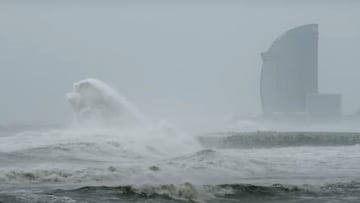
(114, 153)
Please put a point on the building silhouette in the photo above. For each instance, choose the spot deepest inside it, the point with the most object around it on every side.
(289, 76)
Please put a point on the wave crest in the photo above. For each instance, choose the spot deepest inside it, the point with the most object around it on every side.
(95, 102)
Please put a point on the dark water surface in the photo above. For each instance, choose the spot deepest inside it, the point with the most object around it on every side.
(59, 167)
(341, 192)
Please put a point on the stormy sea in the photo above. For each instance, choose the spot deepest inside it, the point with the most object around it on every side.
(114, 153)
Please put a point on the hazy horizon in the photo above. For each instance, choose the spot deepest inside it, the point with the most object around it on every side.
(178, 61)
(159, 101)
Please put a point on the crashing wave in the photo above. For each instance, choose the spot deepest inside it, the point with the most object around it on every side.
(93, 101)
(29, 197)
(180, 192)
(188, 192)
(87, 175)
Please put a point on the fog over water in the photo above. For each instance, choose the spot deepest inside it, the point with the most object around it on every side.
(189, 63)
(139, 101)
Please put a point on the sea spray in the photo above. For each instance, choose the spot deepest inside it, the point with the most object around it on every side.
(95, 103)
(108, 130)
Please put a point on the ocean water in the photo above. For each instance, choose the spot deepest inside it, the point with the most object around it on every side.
(63, 166)
(115, 166)
(97, 160)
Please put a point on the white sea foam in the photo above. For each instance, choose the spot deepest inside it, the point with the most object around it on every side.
(96, 103)
(104, 148)
(108, 130)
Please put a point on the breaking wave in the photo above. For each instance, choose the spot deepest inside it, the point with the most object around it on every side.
(111, 143)
(94, 102)
(188, 192)
(183, 192)
(87, 175)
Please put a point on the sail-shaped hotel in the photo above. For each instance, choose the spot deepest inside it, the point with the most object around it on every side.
(289, 76)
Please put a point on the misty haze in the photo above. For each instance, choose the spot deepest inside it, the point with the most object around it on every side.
(179, 101)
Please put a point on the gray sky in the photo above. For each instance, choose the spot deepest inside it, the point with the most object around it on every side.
(173, 59)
